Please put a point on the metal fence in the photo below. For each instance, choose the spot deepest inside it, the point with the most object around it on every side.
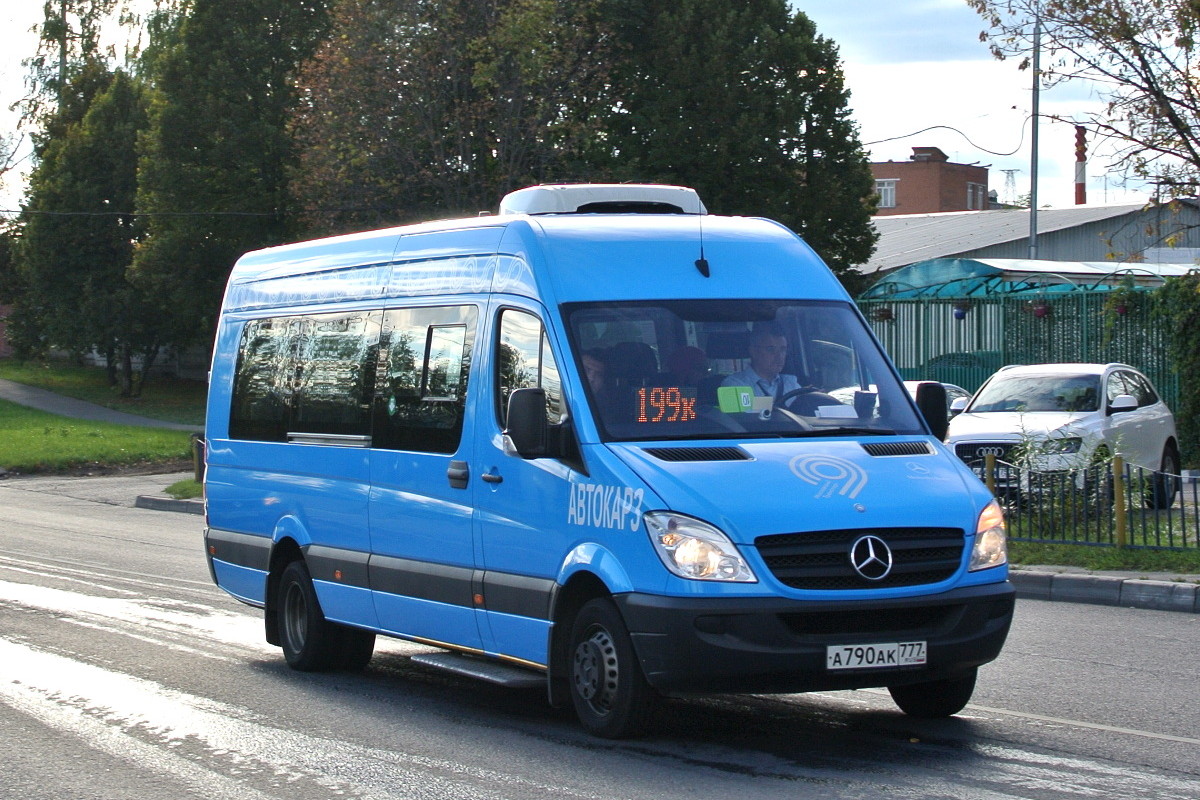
(1114, 504)
(964, 340)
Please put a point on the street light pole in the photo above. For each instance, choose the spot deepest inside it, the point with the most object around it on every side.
(1033, 158)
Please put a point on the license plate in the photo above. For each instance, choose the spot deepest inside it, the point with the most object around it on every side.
(874, 656)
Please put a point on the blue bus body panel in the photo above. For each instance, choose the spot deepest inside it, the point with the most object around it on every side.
(434, 622)
(247, 585)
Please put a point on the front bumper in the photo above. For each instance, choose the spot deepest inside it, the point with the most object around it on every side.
(694, 645)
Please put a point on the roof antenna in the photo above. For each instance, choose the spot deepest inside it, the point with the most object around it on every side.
(701, 262)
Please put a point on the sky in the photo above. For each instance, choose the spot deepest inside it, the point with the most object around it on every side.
(910, 65)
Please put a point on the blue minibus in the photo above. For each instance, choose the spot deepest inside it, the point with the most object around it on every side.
(602, 442)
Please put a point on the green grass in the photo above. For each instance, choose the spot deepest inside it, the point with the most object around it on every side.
(164, 398)
(187, 489)
(1105, 558)
(34, 441)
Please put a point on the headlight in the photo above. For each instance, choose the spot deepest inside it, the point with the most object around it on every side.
(991, 541)
(1061, 446)
(696, 550)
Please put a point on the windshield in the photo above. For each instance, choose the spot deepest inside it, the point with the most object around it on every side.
(734, 369)
(1033, 393)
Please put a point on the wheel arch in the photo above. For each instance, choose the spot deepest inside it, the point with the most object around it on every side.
(285, 551)
(582, 587)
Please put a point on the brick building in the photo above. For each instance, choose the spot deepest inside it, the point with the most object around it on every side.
(929, 183)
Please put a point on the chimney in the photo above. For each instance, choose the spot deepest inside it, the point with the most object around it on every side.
(928, 154)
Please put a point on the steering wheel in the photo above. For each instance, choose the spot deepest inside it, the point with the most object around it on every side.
(786, 399)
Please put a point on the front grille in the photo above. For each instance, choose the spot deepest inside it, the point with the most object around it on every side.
(971, 452)
(875, 620)
(821, 559)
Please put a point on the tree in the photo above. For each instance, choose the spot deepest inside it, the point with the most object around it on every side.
(747, 104)
(1177, 305)
(418, 109)
(78, 234)
(214, 158)
(69, 43)
(1139, 54)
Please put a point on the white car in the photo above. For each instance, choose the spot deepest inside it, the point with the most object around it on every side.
(1053, 417)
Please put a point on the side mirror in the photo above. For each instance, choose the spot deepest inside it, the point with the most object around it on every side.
(931, 402)
(527, 427)
(959, 405)
(1122, 402)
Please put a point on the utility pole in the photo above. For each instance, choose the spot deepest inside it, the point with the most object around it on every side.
(1033, 158)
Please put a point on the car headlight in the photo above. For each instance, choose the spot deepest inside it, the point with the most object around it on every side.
(696, 550)
(991, 540)
(1070, 444)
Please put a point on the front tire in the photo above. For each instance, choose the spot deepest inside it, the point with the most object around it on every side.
(608, 689)
(310, 642)
(935, 699)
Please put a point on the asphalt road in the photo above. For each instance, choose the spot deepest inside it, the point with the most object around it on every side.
(125, 674)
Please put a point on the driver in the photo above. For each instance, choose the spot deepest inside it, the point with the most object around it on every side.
(768, 352)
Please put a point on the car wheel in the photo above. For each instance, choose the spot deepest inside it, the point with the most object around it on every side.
(609, 691)
(1165, 482)
(310, 642)
(935, 699)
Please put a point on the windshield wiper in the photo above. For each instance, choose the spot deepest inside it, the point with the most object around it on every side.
(850, 432)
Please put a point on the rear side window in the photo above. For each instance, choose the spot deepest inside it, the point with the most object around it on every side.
(424, 363)
(308, 374)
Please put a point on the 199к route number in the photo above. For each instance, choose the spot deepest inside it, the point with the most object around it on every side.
(874, 656)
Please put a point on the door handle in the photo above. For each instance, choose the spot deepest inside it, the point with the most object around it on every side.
(492, 477)
(458, 473)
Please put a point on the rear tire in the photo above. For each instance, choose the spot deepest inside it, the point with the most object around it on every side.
(608, 689)
(310, 642)
(935, 699)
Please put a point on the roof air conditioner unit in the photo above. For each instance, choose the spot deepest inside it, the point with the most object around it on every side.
(603, 198)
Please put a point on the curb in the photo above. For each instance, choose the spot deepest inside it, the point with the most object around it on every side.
(162, 503)
(1106, 591)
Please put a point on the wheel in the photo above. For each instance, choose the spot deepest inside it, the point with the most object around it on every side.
(310, 642)
(935, 699)
(1165, 482)
(357, 647)
(609, 691)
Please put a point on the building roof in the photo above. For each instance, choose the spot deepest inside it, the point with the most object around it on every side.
(973, 277)
(907, 238)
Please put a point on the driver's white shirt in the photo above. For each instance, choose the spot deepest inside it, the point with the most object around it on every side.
(777, 388)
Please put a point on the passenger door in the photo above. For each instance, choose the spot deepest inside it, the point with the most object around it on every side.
(1129, 430)
(522, 504)
(423, 552)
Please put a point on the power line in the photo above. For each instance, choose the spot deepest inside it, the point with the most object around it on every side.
(1020, 144)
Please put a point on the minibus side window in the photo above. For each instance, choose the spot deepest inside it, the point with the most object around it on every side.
(310, 374)
(525, 361)
(262, 391)
(335, 359)
(424, 363)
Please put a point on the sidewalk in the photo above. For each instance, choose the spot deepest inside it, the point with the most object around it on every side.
(1162, 591)
(53, 403)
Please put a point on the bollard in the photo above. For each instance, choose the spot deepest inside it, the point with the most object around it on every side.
(989, 472)
(198, 457)
(1118, 475)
